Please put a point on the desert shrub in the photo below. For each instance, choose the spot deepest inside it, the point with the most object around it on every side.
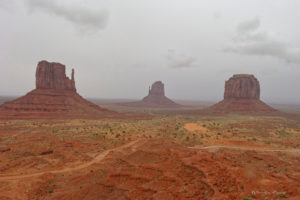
(282, 196)
(246, 198)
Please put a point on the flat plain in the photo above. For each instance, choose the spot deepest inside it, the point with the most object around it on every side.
(168, 156)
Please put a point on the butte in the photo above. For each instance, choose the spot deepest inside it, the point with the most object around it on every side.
(242, 95)
(156, 98)
(55, 96)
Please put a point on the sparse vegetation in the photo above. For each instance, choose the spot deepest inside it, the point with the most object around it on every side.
(282, 196)
(84, 139)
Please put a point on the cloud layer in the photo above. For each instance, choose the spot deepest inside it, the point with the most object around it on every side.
(6, 4)
(249, 40)
(81, 16)
(248, 26)
(177, 61)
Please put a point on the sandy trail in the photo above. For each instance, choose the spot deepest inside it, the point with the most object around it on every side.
(247, 148)
(98, 158)
(102, 155)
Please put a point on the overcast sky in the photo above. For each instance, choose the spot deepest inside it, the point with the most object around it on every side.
(119, 47)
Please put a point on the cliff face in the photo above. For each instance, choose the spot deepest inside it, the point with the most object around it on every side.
(157, 98)
(53, 76)
(157, 89)
(242, 86)
(242, 95)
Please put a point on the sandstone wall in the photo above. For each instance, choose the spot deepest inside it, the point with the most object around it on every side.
(53, 76)
(157, 88)
(242, 86)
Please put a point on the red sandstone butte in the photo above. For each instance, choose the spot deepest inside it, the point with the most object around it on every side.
(55, 96)
(53, 76)
(242, 95)
(156, 98)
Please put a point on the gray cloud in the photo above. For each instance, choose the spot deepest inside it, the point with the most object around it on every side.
(3, 3)
(250, 41)
(83, 17)
(248, 26)
(120, 60)
(177, 61)
(217, 15)
(6, 4)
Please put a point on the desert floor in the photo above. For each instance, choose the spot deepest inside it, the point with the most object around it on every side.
(170, 156)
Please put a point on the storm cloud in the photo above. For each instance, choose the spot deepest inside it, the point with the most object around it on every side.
(83, 17)
(250, 40)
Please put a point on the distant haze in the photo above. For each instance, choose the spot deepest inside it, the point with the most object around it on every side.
(120, 47)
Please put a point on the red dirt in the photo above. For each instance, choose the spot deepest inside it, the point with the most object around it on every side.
(160, 169)
(51, 103)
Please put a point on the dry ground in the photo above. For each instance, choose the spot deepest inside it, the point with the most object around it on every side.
(167, 157)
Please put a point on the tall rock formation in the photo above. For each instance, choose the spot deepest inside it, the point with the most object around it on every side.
(53, 76)
(242, 86)
(156, 98)
(55, 96)
(157, 89)
(242, 95)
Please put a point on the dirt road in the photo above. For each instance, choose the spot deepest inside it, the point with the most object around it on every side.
(98, 158)
(102, 155)
(247, 148)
